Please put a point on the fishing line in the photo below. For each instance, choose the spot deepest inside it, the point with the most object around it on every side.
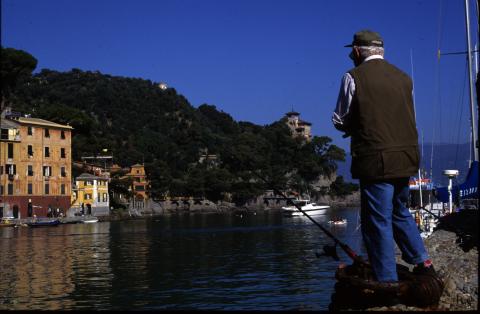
(328, 249)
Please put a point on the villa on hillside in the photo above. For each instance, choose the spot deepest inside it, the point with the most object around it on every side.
(298, 127)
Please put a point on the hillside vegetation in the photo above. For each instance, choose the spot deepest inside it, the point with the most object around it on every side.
(139, 122)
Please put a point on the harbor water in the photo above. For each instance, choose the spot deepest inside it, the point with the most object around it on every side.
(247, 261)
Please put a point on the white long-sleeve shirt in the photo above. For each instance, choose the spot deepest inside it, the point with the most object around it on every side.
(345, 96)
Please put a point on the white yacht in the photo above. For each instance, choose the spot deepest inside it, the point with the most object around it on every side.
(307, 206)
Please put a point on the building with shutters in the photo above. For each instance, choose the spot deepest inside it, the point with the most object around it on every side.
(35, 165)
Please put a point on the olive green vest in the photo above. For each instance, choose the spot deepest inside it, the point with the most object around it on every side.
(384, 140)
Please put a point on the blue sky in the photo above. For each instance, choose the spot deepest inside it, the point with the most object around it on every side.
(255, 59)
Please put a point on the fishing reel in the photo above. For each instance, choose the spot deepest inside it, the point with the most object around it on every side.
(329, 250)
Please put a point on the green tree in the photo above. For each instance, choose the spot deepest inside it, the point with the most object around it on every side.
(16, 67)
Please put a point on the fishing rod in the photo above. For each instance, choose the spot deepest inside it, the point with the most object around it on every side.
(329, 250)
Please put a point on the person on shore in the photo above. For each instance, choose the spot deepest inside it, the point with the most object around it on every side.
(29, 208)
(375, 108)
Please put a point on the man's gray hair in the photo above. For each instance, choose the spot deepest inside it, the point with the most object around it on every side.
(367, 51)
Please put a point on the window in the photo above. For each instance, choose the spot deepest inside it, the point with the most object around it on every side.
(4, 134)
(88, 183)
(62, 189)
(62, 135)
(1, 189)
(1, 170)
(63, 173)
(88, 196)
(47, 171)
(105, 197)
(30, 188)
(47, 133)
(47, 151)
(10, 189)
(62, 152)
(10, 150)
(98, 198)
(10, 169)
(29, 130)
(30, 170)
(30, 150)
(47, 188)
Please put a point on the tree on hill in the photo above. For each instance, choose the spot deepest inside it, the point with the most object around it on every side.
(16, 66)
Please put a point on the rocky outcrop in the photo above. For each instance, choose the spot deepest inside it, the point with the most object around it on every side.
(457, 269)
(352, 200)
(455, 259)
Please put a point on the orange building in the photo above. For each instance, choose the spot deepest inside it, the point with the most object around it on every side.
(138, 187)
(35, 165)
(139, 181)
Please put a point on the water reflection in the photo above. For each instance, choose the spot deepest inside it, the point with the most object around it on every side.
(42, 267)
(259, 261)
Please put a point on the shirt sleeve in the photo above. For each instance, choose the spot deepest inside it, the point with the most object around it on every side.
(347, 89)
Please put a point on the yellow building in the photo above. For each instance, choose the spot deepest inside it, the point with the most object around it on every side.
(35, 165)
(90, 195)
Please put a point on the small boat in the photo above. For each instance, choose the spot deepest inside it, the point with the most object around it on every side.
(64, 221)
(338, 221)
(7, 222)
(43, 223)
(89, 220)
(307, 206)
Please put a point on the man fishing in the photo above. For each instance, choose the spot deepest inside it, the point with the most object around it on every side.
(375, 108)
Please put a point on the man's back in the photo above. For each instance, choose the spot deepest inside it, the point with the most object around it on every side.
(384, 102)
(384, 135)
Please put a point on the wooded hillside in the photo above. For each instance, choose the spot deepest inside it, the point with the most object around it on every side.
(139, 122)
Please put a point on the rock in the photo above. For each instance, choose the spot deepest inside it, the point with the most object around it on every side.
(450, 285)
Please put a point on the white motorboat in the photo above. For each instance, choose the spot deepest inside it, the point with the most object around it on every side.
(307, 206)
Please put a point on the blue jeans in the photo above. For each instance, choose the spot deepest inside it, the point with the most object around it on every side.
(385, 218)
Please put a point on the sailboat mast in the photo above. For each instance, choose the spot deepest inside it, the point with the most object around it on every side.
(472, 110)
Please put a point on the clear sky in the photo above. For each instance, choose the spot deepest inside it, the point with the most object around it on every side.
(255, 59)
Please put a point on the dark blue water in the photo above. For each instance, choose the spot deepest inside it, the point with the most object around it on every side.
(259, 261)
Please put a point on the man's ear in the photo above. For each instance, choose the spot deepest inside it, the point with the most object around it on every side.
(357, 52)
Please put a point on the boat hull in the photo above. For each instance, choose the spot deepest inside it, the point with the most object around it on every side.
(90, 221)
(310, 212)
(37, 224)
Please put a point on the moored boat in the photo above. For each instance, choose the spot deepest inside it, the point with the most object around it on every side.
(43, 223)
(7, 222)
(307, 206)
(89, 220)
